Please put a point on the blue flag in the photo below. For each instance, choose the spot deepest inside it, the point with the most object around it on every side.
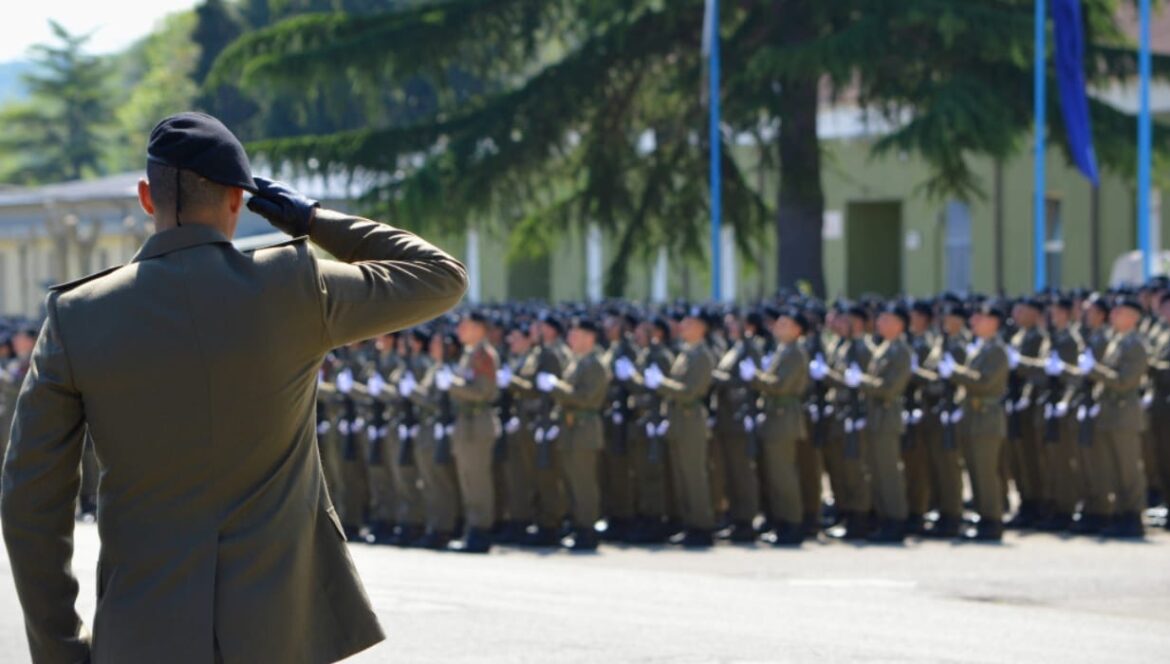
(1070, 76)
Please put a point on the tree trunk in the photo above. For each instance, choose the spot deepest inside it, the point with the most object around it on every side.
(801, 205)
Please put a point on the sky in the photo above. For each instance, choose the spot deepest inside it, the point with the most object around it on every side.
(115, 23)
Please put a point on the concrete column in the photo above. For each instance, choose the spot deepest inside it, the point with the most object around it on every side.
(658, 284)
(728, 281)
(474, 289)
(593, 268)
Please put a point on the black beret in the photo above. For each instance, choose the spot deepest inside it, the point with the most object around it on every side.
(201, 144)
(859, 311)
(770, 311)
(924, 307)
(895, 309)
(991, 309)
(553, 322)
(422, 334)
(661, 325)
(478, 316)
(796, 316)
(1032, 303)
(1065, 303)
(585, 323)
(1100, 303)
(754, 319)
(1131, 303)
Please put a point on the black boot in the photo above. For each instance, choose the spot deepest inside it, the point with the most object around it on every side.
(694, 538)
(353, 533)
(649, 530)
(858, 527)
(810, 525)
(432, 539)
(406, 535)
(582, 539)
(985, 531)
(1088, 524)
(742, 532)
(1056, 522)
(947, 527)
(1025, 517)
(1127, 525)
(510, 532)
(890, 531)
(476, 540)
(616, 530)
(541, 538)
(916, 525)
(787, 534)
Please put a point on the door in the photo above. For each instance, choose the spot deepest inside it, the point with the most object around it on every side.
(873, 240)
(957, 247)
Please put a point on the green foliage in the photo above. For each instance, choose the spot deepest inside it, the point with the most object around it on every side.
(56, 134)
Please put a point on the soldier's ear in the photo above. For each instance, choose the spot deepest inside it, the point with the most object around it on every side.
(144, 197)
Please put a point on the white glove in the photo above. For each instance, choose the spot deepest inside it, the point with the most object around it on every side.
(652, 376)
(663, 427)
(1013, 357)
(512, 425)
(1054, 367)
(439, 432)
(650, 430)
(375, 384)
(617, 418)
(1147, 400)
(444, 378)
(946, 368)
(552, 433)
(623, 369)
(403, 432)
(973, 348)
(504, 377)
(345, 381)
(913, 362)
(1023, 404)
(1086, 362)
(749, 423)
(1061, 409)
(818, 369)
(406, 385)
(747, 369)
(853, 376)
(545, 382)
(957, 416)
(766, 361)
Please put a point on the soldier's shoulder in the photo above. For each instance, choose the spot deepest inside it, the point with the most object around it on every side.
(300, 240)
(70, 285)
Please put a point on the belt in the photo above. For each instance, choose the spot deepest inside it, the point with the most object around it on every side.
(470, 409)
(772, 403)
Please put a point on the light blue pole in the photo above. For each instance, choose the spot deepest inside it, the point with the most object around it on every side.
(716, 157)
(1039, 207)
(1143, 183)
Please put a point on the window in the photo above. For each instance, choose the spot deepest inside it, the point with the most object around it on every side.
(957, 247)
(1053, 241)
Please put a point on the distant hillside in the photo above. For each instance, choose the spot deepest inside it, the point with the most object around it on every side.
(10, 86)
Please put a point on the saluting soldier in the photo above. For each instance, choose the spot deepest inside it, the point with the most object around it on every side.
(684, 390)
(580, 396)
(473, 388)
(983, 378)
(222, 544)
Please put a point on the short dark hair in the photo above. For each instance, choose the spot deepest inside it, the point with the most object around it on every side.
(194, 192)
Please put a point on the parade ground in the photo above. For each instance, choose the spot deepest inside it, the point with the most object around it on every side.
(1035, 598)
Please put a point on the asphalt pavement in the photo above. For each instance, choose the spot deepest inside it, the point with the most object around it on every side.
(1035, 598)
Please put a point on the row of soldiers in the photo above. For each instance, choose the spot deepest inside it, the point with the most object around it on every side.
(508, 425)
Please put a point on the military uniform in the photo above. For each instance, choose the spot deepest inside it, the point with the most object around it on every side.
(684, 390)
(617, 476)
(941, 436)
(884, 385)
(920, 493)
(1063, 480)
(1026, 458)
(1160, 410)
(1118, 377)
(652, 499)
(737, 430)
(354, 496)
(984, 379)
(782, 387)
(401, 447)
(580, 396)
(473, 391)
(433, 456)
(842, 453)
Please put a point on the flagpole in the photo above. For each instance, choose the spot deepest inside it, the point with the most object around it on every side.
(1144, 140)
(716, 151)
(1039, 204)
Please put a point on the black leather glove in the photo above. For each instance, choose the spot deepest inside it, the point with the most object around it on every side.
(283, 206)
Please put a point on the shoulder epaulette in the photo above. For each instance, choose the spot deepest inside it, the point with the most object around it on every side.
(77, 282)
(291, 241)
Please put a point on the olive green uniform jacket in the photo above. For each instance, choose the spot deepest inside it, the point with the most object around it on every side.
(195, 367)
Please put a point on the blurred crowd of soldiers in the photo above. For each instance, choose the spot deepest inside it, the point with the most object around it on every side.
(870, 420)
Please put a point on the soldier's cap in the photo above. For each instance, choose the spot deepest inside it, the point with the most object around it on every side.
(754, 319)
(858, 311)
(924, 307)
(1032, 303)
(585, 323)
(895, 309)
(771, 311)
(27, 330)
(552, 321)
(1100, 302)
(631, 319)
(661, 325)
(422, 334)
(201, 144)
(1131, 303)
(478, 316)
(704, 316)
(1062, 302)
(796, 316)
(992, 309)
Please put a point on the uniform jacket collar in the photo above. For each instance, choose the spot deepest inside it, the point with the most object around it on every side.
(178, 238)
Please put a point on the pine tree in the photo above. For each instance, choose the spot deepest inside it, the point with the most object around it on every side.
(575, 93)
(57, 133)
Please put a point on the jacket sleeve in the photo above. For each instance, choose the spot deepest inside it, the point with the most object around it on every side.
(587, 389)
(692, 385)
(481, 388)
(40, 482)
(385, 278)
(1127, 376)
(891, 381)
(787, 379)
